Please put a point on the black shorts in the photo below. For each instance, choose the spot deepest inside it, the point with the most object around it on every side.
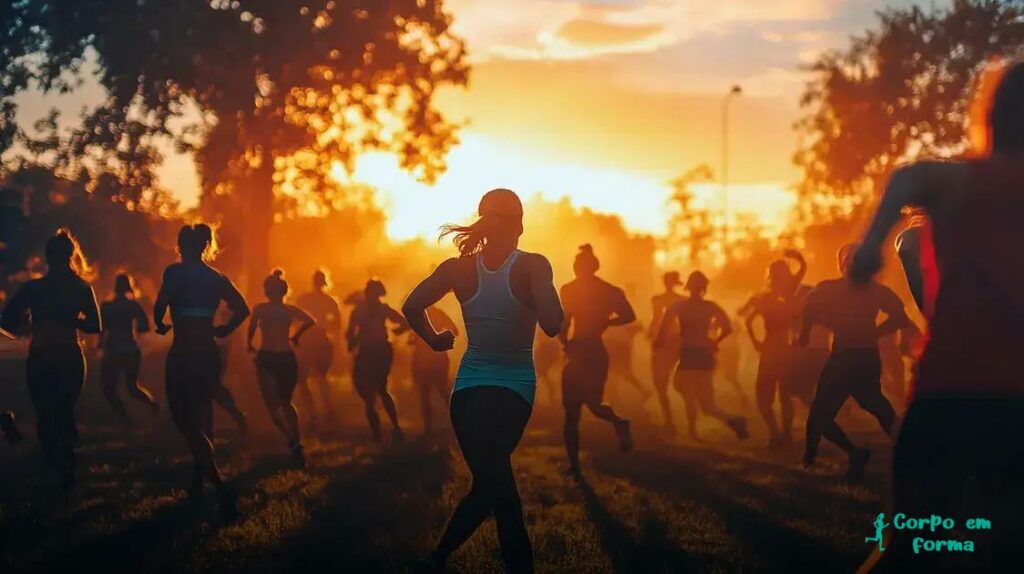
(696, 359)
(585, 373)
(852, 372)
(280, 374)
(803, 371)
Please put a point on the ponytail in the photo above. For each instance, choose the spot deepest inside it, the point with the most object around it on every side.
(469, 239)
(64, 250)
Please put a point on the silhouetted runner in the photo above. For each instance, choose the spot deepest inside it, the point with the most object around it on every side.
(702, 326)
(965, 415)
(368, 337)
(430, 368)
(316, 354)
(276, 366)
(665, 356)
(193, 290)
(854, 368)
(505, 293)
(592, 305)
(776, 307)
(804, 364)
(123, 317)
(59, 304)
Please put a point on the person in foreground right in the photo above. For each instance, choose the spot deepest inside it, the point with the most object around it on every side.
(505, 294)
(965, 416)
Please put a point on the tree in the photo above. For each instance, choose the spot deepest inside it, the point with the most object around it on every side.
(895, 94)
(691, 230)
(270, 92)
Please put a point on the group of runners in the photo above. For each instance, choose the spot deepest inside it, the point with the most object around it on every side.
(818, 345)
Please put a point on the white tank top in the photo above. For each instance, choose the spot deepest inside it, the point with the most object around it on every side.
(500, 331)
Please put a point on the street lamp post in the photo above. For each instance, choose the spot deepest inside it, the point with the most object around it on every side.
(734, 91)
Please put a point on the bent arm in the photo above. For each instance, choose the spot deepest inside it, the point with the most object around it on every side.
(141, 321)
(90, 321)
(163, 298)
(14, 313)
(550, 315)
(908, 248)
(749, 322)
(810, 318)
(423, 296)
(924, 184)
(236, 304)
(254, 322)
(895, 314)
(624, 314)
(723, 324)
(801, 270)
(305, 322)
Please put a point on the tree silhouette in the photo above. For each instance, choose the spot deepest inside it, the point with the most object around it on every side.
(246, 84)
(895, 94)
(691, 230)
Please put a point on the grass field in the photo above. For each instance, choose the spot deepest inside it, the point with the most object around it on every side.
(669, 506)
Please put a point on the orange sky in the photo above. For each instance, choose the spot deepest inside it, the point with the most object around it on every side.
(605, 101)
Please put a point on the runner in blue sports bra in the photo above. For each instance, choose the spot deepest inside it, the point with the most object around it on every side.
(193, 290)
(505, 293)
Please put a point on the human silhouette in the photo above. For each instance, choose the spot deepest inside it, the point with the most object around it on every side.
(776, 308)
(702, 325)
(430, 368)
(965, 414)
(59, 305)
(505, 294)
(592, 305)
(316, 354)
(665, 356)
(277, 368)
(193, 290)
(123, 317)
(367, 336)
(805, 363)
(854, 368)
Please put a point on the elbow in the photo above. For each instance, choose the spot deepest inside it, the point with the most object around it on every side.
(552, 325)
(409, 310)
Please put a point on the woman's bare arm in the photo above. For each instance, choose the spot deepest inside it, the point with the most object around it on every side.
(550, 315)
(427, 293)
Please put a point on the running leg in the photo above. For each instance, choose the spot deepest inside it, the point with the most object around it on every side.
(571, 433)
(661, 368)
(131, 379)
(829, 398)
(766, 387)
(867, 391)
(109, 375)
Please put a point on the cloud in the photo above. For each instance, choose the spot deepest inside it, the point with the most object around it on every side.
(594, 33)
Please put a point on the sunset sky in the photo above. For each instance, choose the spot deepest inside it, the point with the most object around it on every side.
(606, 100)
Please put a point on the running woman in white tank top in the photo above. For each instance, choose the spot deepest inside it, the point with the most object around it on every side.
(505, 293)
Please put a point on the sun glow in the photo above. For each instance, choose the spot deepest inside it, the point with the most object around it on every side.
(478, 164)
